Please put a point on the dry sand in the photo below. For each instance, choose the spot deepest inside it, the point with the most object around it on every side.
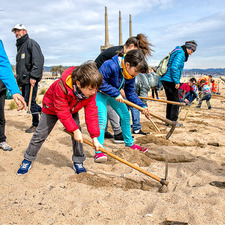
(112, 192)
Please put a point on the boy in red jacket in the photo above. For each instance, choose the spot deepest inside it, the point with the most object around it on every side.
(65, 97)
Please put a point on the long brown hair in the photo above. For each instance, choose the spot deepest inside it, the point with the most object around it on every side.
(136, 59)
(140, 42)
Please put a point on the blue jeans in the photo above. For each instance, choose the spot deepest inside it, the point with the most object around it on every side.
(135, 113)
(35, 108)
(189, 96)
(205, 98)
(47, 123)
(121, 110)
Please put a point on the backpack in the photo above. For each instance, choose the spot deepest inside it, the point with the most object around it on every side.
(163, 64)
(153, 79)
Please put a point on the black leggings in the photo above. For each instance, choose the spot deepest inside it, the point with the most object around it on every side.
(2, 116)
(172, 95)
(154, 92)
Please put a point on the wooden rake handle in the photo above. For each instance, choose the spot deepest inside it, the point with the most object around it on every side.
(30, 98)
(170, 122)
(165, 101)
(162, 181)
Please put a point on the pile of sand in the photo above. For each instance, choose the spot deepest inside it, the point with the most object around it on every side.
(112, 192)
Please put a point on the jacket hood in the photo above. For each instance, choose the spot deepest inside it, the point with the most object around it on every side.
(116, 60)
(66, 77)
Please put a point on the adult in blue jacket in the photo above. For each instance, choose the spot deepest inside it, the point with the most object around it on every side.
(171, 79)
(7, 80)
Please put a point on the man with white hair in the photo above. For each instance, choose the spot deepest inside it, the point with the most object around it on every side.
(29, 69)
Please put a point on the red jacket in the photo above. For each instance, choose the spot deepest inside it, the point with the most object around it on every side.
(59, 100)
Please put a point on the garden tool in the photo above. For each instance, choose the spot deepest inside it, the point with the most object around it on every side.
(162, 181)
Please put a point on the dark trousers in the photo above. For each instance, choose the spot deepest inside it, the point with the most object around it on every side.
(35, 108)
(2, 116)
(172, 95)
(47, 123)
(154, 92)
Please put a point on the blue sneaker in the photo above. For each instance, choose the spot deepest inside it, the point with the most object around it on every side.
(79, 168)
(26, 165)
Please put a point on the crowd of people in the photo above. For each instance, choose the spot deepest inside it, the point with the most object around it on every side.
(100, 87)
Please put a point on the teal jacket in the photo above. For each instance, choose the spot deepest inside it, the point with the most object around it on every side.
(6, 73)
(175, 66)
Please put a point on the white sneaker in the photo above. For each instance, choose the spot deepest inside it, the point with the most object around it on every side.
(5, 146)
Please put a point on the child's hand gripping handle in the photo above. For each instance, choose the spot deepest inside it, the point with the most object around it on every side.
(170, 122)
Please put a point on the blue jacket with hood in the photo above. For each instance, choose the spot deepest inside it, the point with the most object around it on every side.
(175, 66)
(113, 81)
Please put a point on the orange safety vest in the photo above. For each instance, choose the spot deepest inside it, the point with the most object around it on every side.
(206, 78)
(214, 87)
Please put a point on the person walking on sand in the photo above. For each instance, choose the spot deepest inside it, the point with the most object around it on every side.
(205, 93)
(171, 79)
(7, 80)
(76, 89)
(214, 87)
(29, 69)
(118, 73)
(135, 42)
(156, 78)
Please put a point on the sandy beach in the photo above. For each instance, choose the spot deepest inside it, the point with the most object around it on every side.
(112, 192)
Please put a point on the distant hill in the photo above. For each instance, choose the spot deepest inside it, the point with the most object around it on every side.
(47, 68)
(212, 71)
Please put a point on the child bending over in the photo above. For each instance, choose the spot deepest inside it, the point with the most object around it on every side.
(205, 94)
(65, 97)
(118, 73)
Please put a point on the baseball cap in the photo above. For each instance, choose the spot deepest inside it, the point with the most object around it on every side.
(19, 27)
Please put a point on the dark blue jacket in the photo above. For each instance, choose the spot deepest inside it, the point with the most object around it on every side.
(113, 81)
(29, 60)
(175, 66)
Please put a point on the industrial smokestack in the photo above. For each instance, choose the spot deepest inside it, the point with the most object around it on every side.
(107, 45)
(130, 26)
(120, 29)
(106, 28)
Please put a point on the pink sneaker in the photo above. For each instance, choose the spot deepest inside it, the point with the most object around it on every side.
(139, 148)
(100, 157)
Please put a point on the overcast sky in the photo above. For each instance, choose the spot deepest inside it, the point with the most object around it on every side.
(71, 32)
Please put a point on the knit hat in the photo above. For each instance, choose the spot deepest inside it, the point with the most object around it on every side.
(191, 45)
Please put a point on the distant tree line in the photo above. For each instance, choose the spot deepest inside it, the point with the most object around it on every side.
(57, 70)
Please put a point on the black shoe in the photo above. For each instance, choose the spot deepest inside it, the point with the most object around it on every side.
(31, 129)
(118, 138)
(139, 132)
(218, 184)
(108, 135)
